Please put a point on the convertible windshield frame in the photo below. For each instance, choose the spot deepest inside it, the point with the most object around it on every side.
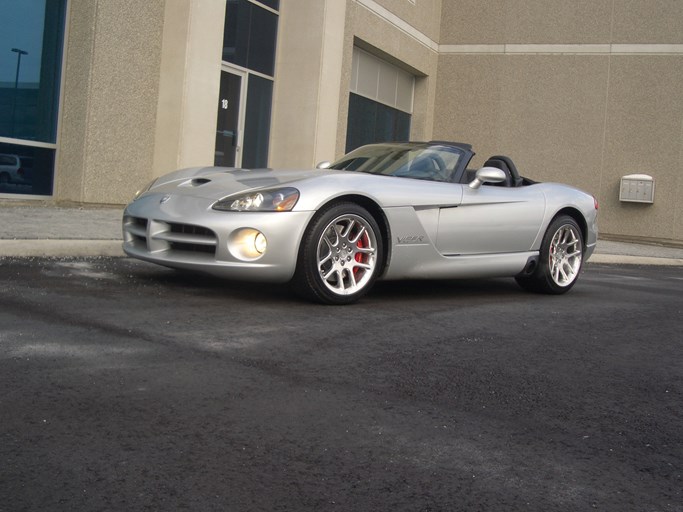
(432, 161)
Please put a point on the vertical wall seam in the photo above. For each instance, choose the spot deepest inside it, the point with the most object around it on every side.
(606, 109)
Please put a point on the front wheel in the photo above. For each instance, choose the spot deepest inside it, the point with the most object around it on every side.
(560, 260)
(340, 255)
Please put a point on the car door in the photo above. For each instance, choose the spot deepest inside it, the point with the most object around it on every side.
(491, 220)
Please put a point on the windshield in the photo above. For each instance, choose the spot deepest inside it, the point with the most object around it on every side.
(418, 161)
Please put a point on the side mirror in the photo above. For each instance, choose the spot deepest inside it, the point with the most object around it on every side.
(323, 165)
(487, 175)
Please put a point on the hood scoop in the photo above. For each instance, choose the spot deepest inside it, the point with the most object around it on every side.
(196, 182)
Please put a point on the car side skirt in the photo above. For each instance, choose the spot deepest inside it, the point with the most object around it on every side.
(424, 262)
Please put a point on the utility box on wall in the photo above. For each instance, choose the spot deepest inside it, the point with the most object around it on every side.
(637, 188)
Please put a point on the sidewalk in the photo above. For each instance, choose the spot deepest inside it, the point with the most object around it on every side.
(48, 231)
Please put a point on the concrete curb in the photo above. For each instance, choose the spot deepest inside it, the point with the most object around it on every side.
(624, 259)
(60, 248)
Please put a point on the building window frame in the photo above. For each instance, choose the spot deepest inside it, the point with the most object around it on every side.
(58, 105)
(383, 95)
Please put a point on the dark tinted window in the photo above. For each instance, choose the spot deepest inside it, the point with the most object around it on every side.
(370, 121)
(30, 65)
(257, 122)
(249, 37)
(26, 170)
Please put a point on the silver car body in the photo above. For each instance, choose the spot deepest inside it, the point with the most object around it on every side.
(434, 229)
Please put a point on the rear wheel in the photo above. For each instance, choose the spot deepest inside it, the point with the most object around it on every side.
(560, 261)
(340, 255)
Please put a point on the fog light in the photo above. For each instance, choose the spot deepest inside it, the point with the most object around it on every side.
(247, 244)
(260, 243)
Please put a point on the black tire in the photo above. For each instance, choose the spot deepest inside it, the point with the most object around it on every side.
(340, 255)
(560, 260)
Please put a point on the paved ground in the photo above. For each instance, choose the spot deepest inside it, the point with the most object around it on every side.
(127, 386)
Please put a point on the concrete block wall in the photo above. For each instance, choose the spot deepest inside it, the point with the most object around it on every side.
(581, 92)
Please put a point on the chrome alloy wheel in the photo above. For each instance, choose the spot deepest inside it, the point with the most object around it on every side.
(566, 253)
(347, 254)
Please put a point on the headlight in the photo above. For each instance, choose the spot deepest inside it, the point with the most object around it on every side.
(277, 200)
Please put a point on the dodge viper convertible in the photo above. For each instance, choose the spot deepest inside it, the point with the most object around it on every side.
(384, 211)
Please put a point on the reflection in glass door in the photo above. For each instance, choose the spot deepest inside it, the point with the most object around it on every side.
(229, 126)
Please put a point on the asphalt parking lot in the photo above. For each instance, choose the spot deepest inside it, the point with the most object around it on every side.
(127, 386)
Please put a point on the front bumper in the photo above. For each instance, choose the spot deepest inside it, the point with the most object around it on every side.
(181, 231)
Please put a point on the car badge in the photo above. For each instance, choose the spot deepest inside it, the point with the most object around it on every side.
(165, 199)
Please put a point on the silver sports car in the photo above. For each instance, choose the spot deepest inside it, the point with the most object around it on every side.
(384, 211)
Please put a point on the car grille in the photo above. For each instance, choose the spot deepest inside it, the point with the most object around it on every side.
(159, 236)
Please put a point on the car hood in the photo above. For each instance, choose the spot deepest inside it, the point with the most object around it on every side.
(316, 186)
(218, 182)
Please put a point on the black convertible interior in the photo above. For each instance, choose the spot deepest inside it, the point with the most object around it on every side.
(505, 164)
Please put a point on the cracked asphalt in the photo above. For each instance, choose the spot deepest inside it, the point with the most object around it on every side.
(126, 386)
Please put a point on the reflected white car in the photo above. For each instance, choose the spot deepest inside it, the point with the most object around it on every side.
(384, 211)
(15, 169)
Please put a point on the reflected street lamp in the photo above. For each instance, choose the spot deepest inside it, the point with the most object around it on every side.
(19, 53)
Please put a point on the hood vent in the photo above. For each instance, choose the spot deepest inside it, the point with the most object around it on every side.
(197, 182)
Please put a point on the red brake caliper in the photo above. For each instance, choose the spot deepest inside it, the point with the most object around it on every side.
(359, 256)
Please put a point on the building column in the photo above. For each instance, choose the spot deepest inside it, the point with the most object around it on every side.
(308, 77)
(189, 84)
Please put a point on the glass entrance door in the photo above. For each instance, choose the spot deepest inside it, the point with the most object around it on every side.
(230, 123)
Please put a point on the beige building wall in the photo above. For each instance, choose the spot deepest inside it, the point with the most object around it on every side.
(404, 34)
(141, 83)
(307, 83)
(582, 92)
(313, 70)
(189, 84)
(111, 83)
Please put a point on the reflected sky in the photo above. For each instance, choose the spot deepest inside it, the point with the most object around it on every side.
(22, 27)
